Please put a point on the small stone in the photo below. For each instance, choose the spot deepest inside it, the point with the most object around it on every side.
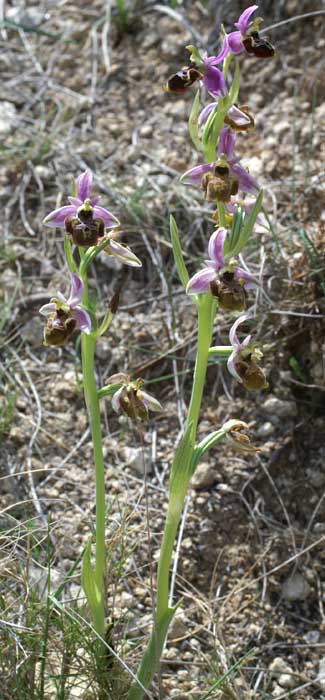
(8, 113)
(295, 587)
(265, 430)
(138, 459)
(321, 674)
(281, 409)
(204, 476)
(178, 626)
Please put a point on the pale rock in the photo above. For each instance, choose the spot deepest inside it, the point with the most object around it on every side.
(138, 459)
(279, 408)
(321, 674)
(283, 674)
(178, 627)
(265, 430)
(204, 476)
(8, 113)
(295, 587)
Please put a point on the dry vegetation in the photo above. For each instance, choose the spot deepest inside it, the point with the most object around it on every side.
(81, 89)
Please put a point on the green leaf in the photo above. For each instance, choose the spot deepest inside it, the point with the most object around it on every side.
(212, 129)
(248, 226)
(180, 468)
(193, 122)
(178, 255)
(90, 255)
(68, 254)
(234, 90)
(88, 581)
(232, 240)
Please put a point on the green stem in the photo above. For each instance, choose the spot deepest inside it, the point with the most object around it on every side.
(222, 214)
(164, 614)
(88, 343)
(220, 350)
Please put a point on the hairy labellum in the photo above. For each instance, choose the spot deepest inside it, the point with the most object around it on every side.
(251, 374)
(261, 48)
(84, 231)
(180, 81)
(219, 186)
(59, 328)
(231, 294)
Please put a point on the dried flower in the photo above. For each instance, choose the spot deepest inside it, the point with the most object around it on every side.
(83, 219)
(243, 361)
(65, 315)
(225, 280)
(239, 439)
(131, 399)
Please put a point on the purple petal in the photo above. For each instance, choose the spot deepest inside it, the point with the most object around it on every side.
(216, 247)
(75, 201)
(246, 277)
(233, 332)
(214, 81)
(118, 378)
(226, 143)
(84, 183)
(213, 60)
(47, 309)
(57, 217)
(149, 401)
(246, 182)
(116, 399)
(235, 43)
(244, 18)
(82, 318)
(238, 117)
(203, 116)
(194, 175)
(124, 254)
(231, 366)
(76, 291)
(94, 200)
(200, 282)
(106, 216)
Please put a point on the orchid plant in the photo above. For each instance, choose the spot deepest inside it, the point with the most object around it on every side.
(223, 283)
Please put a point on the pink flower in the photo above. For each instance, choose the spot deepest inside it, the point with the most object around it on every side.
(65, 315)
(81, 207)
(243, 361)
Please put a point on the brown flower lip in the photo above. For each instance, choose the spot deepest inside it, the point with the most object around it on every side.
(261, 48)
(59, 328)
(180, 81)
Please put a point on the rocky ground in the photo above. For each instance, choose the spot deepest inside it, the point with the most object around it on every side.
(250, 569)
